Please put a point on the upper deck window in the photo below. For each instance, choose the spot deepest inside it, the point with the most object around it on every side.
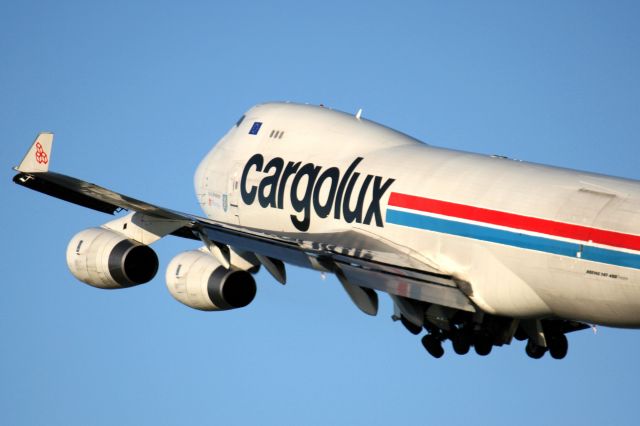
(276, 134)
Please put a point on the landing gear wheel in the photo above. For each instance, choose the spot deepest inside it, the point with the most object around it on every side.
(520, 334)
(483, 345)
(413, 329)
(558, 346)
(433, 346)
(461, 342)
(535, 351)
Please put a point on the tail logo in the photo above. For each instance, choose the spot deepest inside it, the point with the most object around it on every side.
(41, 156)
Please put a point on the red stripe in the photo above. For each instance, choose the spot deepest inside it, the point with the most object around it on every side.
(511, 220)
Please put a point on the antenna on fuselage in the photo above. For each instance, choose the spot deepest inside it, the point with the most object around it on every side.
(358, 114)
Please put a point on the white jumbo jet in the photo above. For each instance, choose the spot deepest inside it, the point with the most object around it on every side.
(472, 248)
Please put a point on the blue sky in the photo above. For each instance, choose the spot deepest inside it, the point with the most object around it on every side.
(138, 92)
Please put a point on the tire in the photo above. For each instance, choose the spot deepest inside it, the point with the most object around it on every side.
(461, 342)
(520, 334)
(411, 327)
(558, 346)
(433, 346)
(483, 345)
(534, 351)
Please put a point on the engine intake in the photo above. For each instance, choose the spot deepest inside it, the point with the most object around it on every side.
(197, 280)
(108, 260)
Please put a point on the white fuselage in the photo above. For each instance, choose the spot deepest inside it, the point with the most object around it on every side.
(533, 241)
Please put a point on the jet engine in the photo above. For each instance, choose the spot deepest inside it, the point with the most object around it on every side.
(196, 279)
(106, 259)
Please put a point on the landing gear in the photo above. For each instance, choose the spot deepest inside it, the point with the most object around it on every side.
(433, 345)
(534, 350)
(413, 329)
(461, 342)
(483, 344)
(483, 332)
(558, 346)
(520, 334)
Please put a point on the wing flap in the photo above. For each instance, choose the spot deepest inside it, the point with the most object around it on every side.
(410, 287)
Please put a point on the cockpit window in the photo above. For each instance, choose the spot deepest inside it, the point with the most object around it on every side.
(239, 121)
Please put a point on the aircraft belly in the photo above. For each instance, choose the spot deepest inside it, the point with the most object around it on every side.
(521, 283)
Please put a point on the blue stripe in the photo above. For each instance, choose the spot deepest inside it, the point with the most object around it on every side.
(612, 257)
(514, 239)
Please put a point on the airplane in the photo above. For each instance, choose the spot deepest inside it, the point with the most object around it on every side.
(475, 249)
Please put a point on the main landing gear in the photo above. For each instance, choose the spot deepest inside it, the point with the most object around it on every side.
(557, 348)
(556, 344)
(461, 341)
(541, 337)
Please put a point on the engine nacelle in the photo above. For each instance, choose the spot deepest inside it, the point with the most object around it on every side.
(197, 279)
(107, 259)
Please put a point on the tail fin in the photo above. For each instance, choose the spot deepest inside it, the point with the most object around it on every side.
(38, 157)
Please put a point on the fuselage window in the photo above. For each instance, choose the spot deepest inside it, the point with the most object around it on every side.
(276, 134)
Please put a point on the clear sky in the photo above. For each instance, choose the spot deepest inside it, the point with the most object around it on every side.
(138, 92)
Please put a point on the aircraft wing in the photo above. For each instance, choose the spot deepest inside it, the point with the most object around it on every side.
(385, 268)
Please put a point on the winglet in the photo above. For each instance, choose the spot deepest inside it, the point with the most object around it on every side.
(38, 157)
